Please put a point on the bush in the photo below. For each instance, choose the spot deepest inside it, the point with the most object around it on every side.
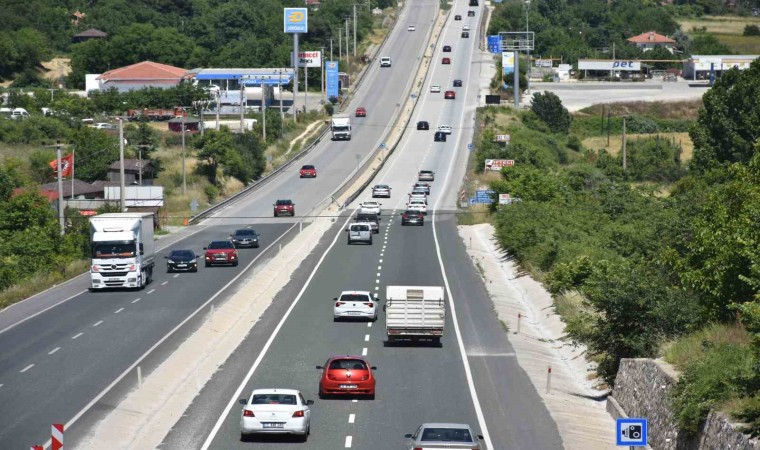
(548, 107)
(751, 30)
(212, 192)
(329, 109)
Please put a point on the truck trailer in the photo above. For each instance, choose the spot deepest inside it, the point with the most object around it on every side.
(414, 313)
(341, 128)
(122, 250)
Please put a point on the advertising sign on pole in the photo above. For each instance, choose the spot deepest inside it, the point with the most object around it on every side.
(331, 74)
(507, 66)
(504, 199)
(494, 44)
(498, 164)
(308, 59)
(296, 20)
(505, 138)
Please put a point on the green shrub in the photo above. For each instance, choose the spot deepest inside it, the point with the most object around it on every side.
(751, 30)
(212, 192)
(548, 107)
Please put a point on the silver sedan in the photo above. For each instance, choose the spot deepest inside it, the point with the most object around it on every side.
(435, 436)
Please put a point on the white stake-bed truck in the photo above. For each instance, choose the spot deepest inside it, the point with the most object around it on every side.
(414, 313)
(341, 128)
(122, 250)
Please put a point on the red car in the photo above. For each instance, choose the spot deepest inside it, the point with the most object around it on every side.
(450, 95)
(308, 171)
(221, 252)
(284, 208)
(347, 375)
(361, 112)
(446, 61)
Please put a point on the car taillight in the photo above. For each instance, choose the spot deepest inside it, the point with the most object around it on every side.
(371, 305)
(339, 304)
(298, 414)
(247, 413)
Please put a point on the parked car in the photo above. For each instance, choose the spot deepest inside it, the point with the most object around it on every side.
(347, 375)
(221, 252)
(457, 83)
(450, 95)
(435, 88)
(439, 136)
(411, 217)
(182, 260)
(370, 206)
(284, 208)
(426, 175)
(446, 48)
(361, 112)
(423, 125)
(355, 305)
(246, 237)
(443, 435)
(359, 232)
(307, 171)
(445, 128)
(381, 190)
(446, 61)
(276, 411)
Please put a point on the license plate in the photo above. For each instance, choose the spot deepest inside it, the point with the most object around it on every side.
(353, 313)
(273, 424)
(114, 279)
(181, 265)
(348, 386)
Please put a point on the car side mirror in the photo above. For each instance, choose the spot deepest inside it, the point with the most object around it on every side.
(243, 401)
(142, 252)
(309, 402)
(408, 435)
(205, 248)
(320, 367)
(335, 298)
(166, 257)
(197, 256)
(480, 436)
(374, 367)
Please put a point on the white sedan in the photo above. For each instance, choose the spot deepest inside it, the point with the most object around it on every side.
(416, 204)
(370, 206)
(355, 305)
(410, 28)
(435, 88)
(445, 128)
(276, 411)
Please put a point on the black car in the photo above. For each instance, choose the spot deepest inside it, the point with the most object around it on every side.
(440, 136)
(423, 125)
(457, 83)
(371, 218)
(465, 34)
(246, 237)
(470, 13)
(446, 48)
(182, 261)
(412, 217)
(457, 17)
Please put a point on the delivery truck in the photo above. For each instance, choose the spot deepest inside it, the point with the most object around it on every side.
(341, 128)
(122, 250)
(414, 313)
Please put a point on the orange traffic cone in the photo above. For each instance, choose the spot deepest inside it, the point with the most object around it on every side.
(186, 222)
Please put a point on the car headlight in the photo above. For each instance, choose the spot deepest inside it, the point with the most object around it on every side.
(192, 261)
(169, 261)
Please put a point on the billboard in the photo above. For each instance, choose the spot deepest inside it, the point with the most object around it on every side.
(506, 138)
(498, 164)
(590, 64)
(296, 20)
(308, 59)
(331, 79)
(507, 67)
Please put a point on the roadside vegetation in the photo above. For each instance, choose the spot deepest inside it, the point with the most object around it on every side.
(656, 259)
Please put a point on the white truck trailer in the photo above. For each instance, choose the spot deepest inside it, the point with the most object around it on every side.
(122, 250)
(414, 313)
(341, 128)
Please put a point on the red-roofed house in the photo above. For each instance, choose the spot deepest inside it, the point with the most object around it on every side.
(141, 75)
(649, 40)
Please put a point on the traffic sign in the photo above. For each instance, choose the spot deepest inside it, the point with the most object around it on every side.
(631, 432)
(472, 201)
(194, 205)
(382, 145)
(469, 146)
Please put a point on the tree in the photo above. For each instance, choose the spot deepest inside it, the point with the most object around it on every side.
(708, 44)
(95, 151)
(215, 149)
(548, 107)
(727, 128)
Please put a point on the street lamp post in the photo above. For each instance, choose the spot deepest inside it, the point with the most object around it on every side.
(527, 30)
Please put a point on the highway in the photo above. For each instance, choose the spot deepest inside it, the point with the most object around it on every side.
(473, 377)
(64, 348)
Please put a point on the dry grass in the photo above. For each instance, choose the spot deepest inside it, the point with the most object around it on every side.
(678, 110)
(718, 24)
(57, 68)
(742, 45)
(568, 304)
(616, 142)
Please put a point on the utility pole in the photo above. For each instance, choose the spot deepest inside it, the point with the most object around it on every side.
(354, 30)
(331, 50)
(322, 77)
(122, 187)
(340, 45)
(61, 220)
(295, 76)
(625, 162)
(242, 104)
(348, 42)
(264, 110)
(527, 31)
(141, 147)
(218, 95)
(282, 112)
(184, 178)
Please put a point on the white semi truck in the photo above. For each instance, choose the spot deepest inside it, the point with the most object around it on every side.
(414, 313)
(122, 250)
(341, 128)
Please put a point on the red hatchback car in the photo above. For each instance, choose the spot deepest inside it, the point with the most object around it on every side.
(284, 208)
(221, 252)
(361, 112)
(347, 375)
(450, 95)
(446, 61)
(308, 171)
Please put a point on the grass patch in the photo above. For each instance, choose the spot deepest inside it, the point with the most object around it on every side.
(568, 304)
(679, 110)
(40, 282)
(683, 351)
(718, 24)
(616, 142)
(742, 45)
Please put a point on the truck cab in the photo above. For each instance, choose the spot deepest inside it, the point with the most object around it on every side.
(122, 250)
(341, 128)
(385, 61)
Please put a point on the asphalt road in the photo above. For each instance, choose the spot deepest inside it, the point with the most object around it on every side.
(473, 377)
(65, 346)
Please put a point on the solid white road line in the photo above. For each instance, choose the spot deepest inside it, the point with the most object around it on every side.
(381, 261)
(151, 291)
(234, 399)
(136, 300)
(351, 418)
(54, 350)
(97, 323)
(118, 310)
(74, 337)
(354, 401)
(348, 441)
(26, 368)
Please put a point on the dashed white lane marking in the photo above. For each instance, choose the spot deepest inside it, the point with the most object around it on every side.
(175, 275)
(379, 267)
(377, 281)
(151, 291)
(1, 385)
(377, 288)
(383, 247)
(136, 300)
(366, 338)
(118, 310)
(351, 418)
(364, 351)
(348, 441)
(54, 350)
(26, 368)
(97, 323)
(369, 324)
(378, 274)
(355, 401)
(164, 283)
(381, 260)
(74, 337)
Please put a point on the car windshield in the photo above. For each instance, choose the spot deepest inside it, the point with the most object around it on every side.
(245, 233)
(182, 254)
(219, 245)
(274, 399)
(283, 202)
(113, 249)
(425, 172)
(381, 186)
(354, 298)
(307, 168)
(360, 228)
(348, 364)
(446, 435)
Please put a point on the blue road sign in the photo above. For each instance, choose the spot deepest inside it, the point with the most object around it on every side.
(494, 44)
(486, 195)
(414, 95)
(631, 432)
(333, 80)
(382, 145)
(469, 146)
(296, 20)
(471, 201)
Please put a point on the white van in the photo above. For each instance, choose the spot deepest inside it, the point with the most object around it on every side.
(19, 113)
(385, 61)
(359, 232)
